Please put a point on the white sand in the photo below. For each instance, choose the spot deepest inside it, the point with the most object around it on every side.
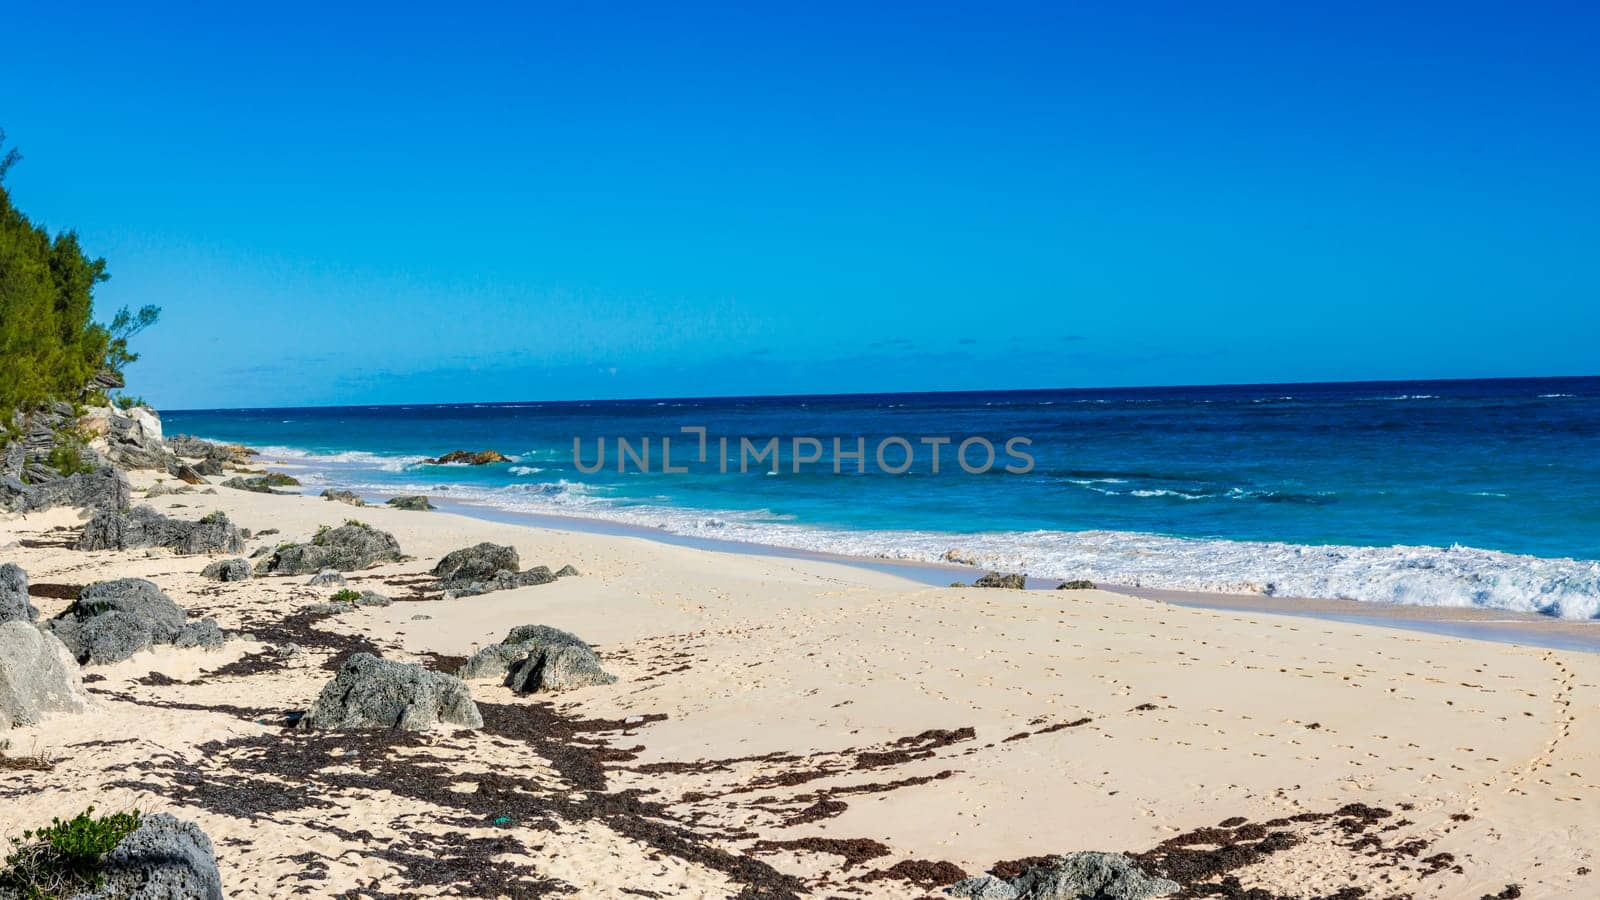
(1488, 752)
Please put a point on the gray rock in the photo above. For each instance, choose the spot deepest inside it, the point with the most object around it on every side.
(986, 887)
(497, 660)
(371, 692)
(373, 598)
(204, 634)
(349, 497)
(188, 474)
(558, 668)
(103, 488)
(477, 563)
(329, 608)
(145, 527)
(997, 580)
(227, 570)
(165, 858)
(349, 547)
(327, 578)
(416, 503)
(14, 602)
(37, 676)
(1090, 875)
(567, 571)
(112, 620)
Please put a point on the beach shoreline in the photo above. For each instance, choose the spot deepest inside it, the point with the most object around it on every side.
(807, 726)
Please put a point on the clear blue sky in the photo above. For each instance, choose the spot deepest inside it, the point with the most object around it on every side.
(577, 200)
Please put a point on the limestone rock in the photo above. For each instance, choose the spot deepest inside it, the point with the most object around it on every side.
(997, 580)
(227, 570)
(371, 692)
(165, 858)
(14, 602)
(416, 503)
(348, 548)
(37, 676)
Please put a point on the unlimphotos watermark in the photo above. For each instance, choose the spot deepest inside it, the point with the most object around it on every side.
(892, 455)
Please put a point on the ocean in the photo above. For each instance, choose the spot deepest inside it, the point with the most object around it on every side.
(1482, 493)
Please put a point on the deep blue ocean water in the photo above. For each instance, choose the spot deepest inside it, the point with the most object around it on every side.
(1459, 493)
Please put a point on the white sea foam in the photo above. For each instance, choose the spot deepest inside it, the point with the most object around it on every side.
(1425, 576)
(354, 459)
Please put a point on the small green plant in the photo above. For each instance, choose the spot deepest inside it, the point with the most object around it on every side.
(345, 596)
(63, 858)
(126, 402)
(66, 456)
(214, 518)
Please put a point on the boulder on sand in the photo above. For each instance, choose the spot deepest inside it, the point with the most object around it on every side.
(327, 578)
(1086, 875)
(348, 548)
(165, 858)
(112, 620)
(14, 603)
(37, 676)
(262, 484)
(372, 692)
(487, 567)
(144, 527)
(997, 580)
(104, 488)
(415, 503)
(350, 497)
(538, 658)
(227, 570)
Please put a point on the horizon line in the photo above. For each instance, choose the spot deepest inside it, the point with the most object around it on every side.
(846, 394)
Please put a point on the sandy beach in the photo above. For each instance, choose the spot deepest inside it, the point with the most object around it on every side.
(798, 727)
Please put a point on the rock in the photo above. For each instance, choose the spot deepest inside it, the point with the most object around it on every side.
(113, 620)
(348, 548)
(538, 658)
(466, 457)
(132, 438)
(15, 605)
(262, 484)
(484, 568)
(188, 475)
(986, 887)
(417, 503)
(373, 598)
(1090, 875)
(996, 580)
(37, 676)
(558, 668)
(165, 858)
(1077, 584)
(145, 527)
(327, 578)
(104, 489)
(349, 497)
(477, 563)
(204, 634)
(196, 448)
(371, 692)
(162, 490)
(496, 660)
(566, 571)
(287, 650)
(329, 608)
(227, 570)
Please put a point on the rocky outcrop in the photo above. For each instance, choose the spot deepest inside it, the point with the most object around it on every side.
(144, 527)
(487, 567)
(416, 503)
(349, 497)
(997, 580)
(192, 447)
(536, 658)
(567, 571)
(113, 620)
(15, 606)
(262, 484)
(227, 570)
(1086, 875)
(128, 438)
(165, 858)
(371, 692)
(104, 488)
(467, 457)
(348, 548)
(1077, 584)
(37, 677)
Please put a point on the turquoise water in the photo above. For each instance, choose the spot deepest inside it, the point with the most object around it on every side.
(1465, 493)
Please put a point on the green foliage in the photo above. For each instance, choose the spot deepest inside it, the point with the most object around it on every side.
(346, 596)
(63, 858)
(66, 455)
(216, 517)
(50, 345)
(127, 402)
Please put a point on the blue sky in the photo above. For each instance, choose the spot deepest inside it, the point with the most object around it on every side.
(499, 202)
